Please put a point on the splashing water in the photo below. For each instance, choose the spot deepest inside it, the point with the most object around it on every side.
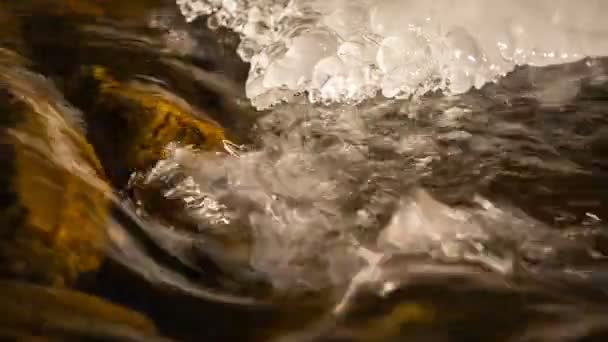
(330, 191)
(347, 51)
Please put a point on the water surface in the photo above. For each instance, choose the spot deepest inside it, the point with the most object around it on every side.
(136, 171)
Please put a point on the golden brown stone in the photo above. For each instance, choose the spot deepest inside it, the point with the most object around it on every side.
(54, 206)
(152, 117)
(30, 312)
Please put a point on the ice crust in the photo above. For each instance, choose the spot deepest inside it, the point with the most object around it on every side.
(347, 51)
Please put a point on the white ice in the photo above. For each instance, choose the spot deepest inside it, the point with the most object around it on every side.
(347, 51)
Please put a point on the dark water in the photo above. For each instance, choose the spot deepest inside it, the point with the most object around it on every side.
(480, 217)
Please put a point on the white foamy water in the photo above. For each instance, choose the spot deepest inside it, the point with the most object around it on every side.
(347, 51)
(336, 191)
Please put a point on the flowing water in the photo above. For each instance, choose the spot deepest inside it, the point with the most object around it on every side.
(303, 170)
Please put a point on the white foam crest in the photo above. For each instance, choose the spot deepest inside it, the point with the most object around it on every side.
(347, 51)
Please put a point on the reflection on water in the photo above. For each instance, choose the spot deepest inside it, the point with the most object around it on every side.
(142, 198)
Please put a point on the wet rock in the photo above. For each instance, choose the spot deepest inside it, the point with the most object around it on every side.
(30, 310)
(133, 121)
(54, 204)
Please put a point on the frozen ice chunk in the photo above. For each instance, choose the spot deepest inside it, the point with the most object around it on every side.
(467, 62)
(357, 52)
(468, 42)
(350, 20)
(295, 68)
(406, 62)
(329, 76)
(392, 17)
(396, 51)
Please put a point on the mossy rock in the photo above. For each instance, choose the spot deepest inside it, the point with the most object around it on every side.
(54, 202)
(133, 121)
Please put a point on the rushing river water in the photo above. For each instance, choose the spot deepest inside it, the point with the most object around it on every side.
(155, 186)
